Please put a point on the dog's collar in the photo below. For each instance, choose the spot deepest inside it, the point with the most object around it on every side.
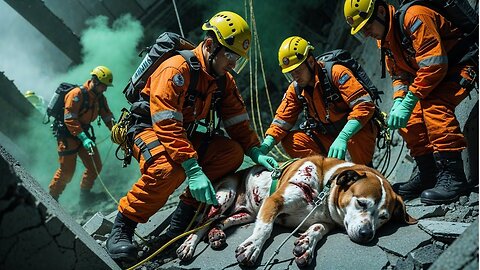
(276, 173)
(323, 194)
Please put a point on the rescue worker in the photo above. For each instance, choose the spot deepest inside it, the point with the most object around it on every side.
(175, 155)
(334, 126)
(429, 81)
(75, 136)
(35, 100)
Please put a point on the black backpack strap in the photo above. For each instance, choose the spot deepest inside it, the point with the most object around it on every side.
(404, 37)
(194, 65)
(332, 94)
(84, 107)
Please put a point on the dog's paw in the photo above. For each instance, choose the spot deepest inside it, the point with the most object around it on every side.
(217, 238)
(303, 251)
(247, 253)
(187, 249)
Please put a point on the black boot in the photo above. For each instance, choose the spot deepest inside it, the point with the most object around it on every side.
(181, 217)
(451, 180)
(119, 243)
(89, 198)
(423, 177)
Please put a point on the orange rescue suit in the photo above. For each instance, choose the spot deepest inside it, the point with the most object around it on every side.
(166, 89)
(433, 126)
(78, 119)
(355, 103)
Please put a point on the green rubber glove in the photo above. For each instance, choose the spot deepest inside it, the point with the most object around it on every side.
(338, 149)
(87, 142)
(199, 184)
(267, 144)
(256, 155)
(396, 103)
(400, 115)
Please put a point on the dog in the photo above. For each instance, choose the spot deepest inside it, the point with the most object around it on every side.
(360, 200)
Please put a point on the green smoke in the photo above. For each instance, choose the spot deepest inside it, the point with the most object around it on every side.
(114, 46)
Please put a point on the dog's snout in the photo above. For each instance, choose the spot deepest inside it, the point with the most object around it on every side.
(365, 233)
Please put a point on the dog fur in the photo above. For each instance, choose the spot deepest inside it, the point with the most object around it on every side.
(360, 200)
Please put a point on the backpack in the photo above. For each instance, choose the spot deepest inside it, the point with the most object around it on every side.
(332, 94)
(459, 13)
(167, 44)
(56, 106)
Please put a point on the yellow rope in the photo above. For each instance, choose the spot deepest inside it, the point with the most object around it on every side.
(187, 232)
(258, 54)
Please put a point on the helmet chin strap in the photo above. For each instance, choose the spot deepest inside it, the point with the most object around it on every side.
(312, 72)
(95, 82)
(210, 60)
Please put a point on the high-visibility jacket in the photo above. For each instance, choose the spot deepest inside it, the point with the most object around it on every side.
(76, 117)
(166, 89)
(433, 37)
(355, 103)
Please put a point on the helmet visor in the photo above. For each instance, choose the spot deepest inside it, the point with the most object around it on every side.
(240, 61)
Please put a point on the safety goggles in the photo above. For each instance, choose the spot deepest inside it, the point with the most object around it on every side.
(240, 61)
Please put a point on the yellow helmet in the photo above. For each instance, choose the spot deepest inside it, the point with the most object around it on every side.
(103, 74)
(29, 93)
(293, 52)
(36, 101)
(357, 13)
(232, 31)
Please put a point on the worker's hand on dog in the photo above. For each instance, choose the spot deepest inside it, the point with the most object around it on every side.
(338, 148)
(256, 155)
(198, 183)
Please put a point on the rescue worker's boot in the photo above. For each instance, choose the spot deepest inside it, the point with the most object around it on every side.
(181, 218)
(451, 180)
(423, 178)
(119, 243)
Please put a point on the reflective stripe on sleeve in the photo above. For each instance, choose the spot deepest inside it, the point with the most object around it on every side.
(282, 124)
(163, 115)
(433, 60)
(400, 87)
(235, 120)
(364, 98)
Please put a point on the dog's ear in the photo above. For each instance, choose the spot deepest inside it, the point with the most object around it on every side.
(347, 176)
(400, 212)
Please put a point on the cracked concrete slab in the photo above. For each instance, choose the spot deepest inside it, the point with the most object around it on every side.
(49, 238)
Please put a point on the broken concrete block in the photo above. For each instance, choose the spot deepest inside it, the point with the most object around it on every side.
(421, 212)
(425, 256)
(462, 254)
(443, 229)
(97, 224)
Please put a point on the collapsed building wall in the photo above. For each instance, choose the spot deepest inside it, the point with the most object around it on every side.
(35, 232)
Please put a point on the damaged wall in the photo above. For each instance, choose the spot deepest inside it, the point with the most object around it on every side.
(35, 232)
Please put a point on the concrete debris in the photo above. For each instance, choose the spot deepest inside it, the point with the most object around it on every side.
(443, 229)
(421, 212)
(462, 254)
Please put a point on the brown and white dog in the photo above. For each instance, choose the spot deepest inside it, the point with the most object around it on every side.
(360, 200)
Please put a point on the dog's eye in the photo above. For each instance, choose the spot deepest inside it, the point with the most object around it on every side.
(362, 204)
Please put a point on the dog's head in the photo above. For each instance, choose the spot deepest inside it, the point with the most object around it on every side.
(367, 201)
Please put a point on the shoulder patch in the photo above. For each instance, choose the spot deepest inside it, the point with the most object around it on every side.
(178, 80)
(343, 79)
